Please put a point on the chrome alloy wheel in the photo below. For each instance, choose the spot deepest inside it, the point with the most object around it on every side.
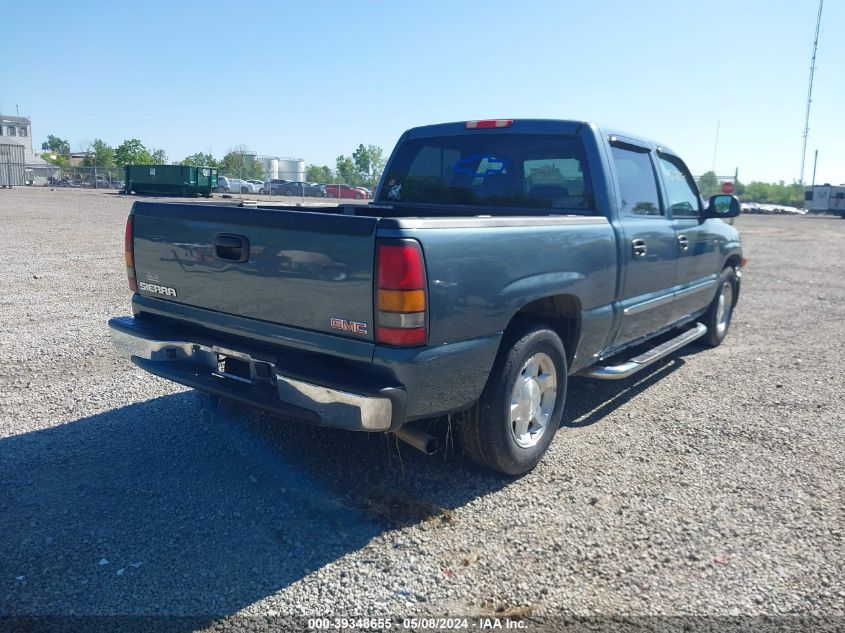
(724, 306)
(533, 400)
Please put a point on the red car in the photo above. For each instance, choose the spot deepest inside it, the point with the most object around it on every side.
(344, 191)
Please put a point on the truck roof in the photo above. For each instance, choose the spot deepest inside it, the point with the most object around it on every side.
(531, 126)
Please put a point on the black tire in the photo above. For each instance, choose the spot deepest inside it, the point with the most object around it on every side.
(715, 335)
(358, 196)
(485, 431)
(244, 190)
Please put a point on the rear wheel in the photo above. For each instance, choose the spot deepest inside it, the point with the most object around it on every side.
(515, 420)
(244, 190)
(719, 314)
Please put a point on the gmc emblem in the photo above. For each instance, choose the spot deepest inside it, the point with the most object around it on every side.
(356, 327)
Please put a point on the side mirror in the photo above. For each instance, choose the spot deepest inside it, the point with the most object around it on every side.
(721, 206)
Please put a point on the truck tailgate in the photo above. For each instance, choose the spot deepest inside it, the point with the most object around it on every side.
(297, 268)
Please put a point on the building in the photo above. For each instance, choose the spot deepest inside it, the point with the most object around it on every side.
(17, 130)
(16, 126)
(78, 158)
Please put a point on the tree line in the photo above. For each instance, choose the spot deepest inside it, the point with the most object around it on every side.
(362, 167)
(756, 191)
(56, 150)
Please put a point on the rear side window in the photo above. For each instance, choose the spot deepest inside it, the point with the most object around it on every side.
(637, 181)
(531, 171)
(681, 192)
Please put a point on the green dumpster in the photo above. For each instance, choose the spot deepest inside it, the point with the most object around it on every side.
(170, 180)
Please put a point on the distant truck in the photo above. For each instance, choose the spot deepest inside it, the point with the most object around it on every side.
(170, 180)
(499, 258)
(825, 199)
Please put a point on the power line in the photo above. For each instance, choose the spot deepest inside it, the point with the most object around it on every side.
(810, 93)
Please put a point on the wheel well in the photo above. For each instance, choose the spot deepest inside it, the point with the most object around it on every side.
(562, 313)
(734, 261)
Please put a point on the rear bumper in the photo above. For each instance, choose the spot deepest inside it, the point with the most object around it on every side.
(192, 360)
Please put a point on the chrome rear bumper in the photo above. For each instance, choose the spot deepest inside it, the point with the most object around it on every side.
(199, 363)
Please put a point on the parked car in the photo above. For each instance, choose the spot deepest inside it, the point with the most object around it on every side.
(302, 189)
(259, 185)
(500, 258)
(344, 191)
(223, 185)
(367, 193)
(242, 186)
(272, 186)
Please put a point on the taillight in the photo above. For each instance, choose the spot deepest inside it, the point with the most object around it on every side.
(129, 252)
(402, 318)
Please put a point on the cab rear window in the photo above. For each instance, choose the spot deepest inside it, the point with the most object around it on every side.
(529, 171)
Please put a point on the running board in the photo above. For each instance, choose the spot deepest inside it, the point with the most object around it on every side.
(617, 372)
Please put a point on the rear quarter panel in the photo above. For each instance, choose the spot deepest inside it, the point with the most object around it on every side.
(480, 273)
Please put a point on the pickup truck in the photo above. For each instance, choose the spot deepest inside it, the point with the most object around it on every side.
(498, 258)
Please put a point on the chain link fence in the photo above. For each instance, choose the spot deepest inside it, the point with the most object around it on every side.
(280, 183)
(88, 177)
(231, 183)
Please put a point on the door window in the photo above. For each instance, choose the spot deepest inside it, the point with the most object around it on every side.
(681, 192)
(637, 181)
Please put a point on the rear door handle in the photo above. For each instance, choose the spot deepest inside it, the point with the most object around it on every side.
(639, 248)
(232, 248)
(683, 242)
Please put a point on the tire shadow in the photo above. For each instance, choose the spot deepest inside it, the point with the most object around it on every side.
(589, 400)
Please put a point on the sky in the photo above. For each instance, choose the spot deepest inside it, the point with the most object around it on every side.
(315, 79)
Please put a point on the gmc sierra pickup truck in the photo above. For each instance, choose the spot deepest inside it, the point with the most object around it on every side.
(497, 258)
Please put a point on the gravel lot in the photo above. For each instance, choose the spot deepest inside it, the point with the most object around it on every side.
(711, 485)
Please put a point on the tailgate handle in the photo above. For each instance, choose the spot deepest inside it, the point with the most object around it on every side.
(232, 248)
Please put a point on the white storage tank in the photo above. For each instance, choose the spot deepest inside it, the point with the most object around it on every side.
(291, 169)
(271, 167)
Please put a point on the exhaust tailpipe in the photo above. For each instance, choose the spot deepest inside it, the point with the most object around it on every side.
(420, 440)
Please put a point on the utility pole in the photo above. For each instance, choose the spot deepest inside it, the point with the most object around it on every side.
(810, 93)
(715, 146)
(815, 160)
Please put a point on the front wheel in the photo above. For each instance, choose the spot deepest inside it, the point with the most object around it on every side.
(515, 420)
(719, 314)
